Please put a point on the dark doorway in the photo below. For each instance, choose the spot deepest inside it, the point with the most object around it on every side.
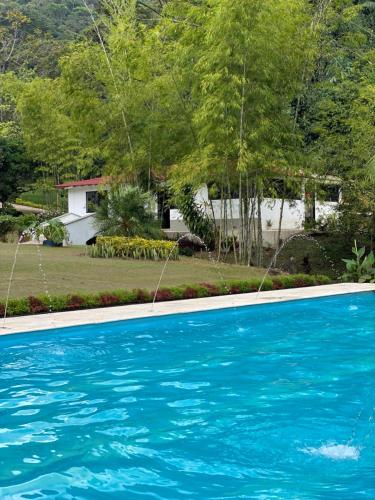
(164, 211)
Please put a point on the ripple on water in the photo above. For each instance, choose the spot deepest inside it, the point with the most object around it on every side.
(252, 403)
(335, 451)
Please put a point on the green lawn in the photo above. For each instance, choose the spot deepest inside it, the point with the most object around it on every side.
(69, 270)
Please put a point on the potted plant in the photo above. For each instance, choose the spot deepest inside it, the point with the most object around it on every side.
(54, 232)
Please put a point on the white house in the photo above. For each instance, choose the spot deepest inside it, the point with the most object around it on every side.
(296, 212)
(84, 195)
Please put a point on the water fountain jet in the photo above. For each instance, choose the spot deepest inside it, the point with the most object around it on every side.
(210, 257)
(295, 236)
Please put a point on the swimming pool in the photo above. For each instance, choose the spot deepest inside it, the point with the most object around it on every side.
(265, 402)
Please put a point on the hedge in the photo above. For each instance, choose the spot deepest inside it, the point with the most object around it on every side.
(31, 204)
(134, 248)
(43, 304)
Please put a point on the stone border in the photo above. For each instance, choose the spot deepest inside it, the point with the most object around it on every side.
(40, 322)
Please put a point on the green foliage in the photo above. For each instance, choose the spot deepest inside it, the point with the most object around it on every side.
(15, 167)
(53, 230)
(362, 268)
(49, 133)
(194, 217)
(338, 104)
(35, 33)
(193, 92)
(12, 224)
(8, 223)
(40, 304)
(186, 251)
(133, 248)
(127, 211)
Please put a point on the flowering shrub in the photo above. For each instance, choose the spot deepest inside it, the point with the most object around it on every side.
(133, 248)
(42, 304)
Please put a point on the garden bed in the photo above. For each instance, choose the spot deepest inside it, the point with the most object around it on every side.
(45, 304)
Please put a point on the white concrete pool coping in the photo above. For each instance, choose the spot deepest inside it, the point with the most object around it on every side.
(120, 313)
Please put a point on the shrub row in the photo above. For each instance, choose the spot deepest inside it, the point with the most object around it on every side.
(26, 203)
(43, 304)
(133, 248)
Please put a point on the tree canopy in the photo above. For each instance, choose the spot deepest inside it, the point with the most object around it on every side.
(182, 92)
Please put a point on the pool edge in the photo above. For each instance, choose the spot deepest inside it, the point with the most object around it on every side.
(28, 324)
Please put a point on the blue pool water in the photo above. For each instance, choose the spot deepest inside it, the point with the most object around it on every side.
(265, 402)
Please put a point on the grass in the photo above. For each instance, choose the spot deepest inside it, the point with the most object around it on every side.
(69, 270)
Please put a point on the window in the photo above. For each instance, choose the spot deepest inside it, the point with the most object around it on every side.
(329, 192)
(279, 188)
(93, 200)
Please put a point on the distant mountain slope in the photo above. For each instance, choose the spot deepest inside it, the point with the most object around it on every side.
(63, 19)
(34, 33)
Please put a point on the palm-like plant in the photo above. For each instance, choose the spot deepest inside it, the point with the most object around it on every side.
(126, 211)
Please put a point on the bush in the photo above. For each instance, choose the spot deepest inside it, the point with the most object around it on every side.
(8, 224)
(26, 203)
(186, 251)
(163, 294)
(362, 268)
(107, 299)
(54, 231)
(37, 305)
(133, 248)
(76, 302)
(12, 224)
(43, 303)
(16, 307)
(127, 211)
(213, 290)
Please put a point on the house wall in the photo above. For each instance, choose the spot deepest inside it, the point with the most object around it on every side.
(77, 199)
(324, 209)
(293, 215)
(82, 230)
(292, 221)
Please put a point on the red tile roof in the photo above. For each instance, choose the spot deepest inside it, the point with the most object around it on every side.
(88, 182)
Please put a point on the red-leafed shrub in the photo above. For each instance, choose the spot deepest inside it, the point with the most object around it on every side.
(235, 289)
(106, 299)
(213, 290)
(75, 302)
(42, 304)
(163, 294)
(190, 293)
(36, 305)
(277, 284)
(299, 282)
